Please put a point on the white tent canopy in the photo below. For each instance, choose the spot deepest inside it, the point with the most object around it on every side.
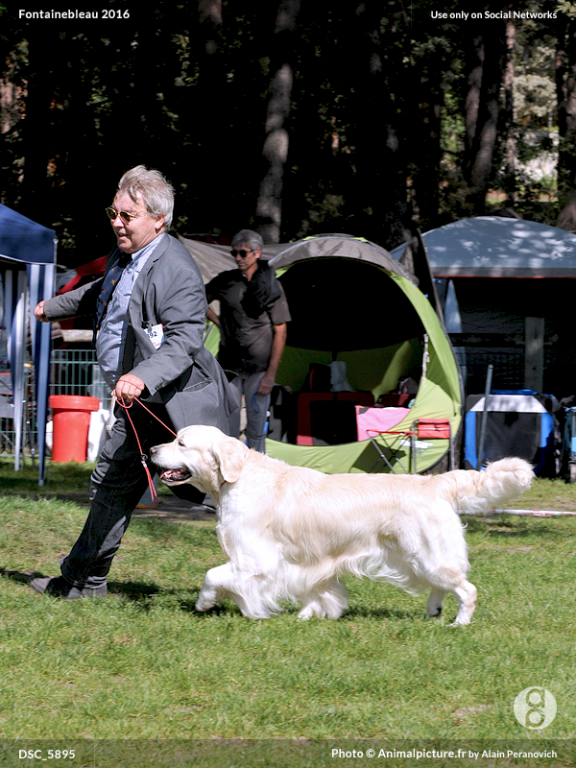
(491, 246)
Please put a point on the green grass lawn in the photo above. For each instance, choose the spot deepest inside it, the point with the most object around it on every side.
(143, 665)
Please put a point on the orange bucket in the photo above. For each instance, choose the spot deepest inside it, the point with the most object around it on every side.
(71, 422)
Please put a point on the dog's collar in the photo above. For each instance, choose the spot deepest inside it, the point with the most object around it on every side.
(224, 483)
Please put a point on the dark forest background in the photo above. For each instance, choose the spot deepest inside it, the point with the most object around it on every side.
(291, 117)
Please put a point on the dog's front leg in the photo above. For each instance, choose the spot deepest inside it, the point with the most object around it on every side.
(245, 589)
(213, 588)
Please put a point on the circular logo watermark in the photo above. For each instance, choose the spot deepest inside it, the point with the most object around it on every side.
(535, 707)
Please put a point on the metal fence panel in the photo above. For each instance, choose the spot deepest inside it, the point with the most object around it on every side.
(72, 372)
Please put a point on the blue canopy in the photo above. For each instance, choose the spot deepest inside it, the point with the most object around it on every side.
(27, 263)
(23, 240)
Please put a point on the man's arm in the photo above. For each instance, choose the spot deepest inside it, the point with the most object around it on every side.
(278, 342)
(39, 313)
(213, 317)
(77, 303)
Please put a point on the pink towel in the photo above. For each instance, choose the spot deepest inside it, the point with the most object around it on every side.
(377, 419)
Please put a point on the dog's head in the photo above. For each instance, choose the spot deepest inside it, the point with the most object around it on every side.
(202, 456)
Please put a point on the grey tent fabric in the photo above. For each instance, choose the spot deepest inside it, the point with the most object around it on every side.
(210, 258)
(213, 259)
(493, 246)
(343, 246)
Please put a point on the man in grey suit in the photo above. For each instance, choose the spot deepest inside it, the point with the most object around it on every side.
(149, 311)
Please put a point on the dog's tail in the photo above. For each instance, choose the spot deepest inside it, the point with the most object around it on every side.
(499, 483)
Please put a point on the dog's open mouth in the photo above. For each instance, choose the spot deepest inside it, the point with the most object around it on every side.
(174, 476)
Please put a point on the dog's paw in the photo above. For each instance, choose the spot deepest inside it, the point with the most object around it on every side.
(312, 609)
(306, 613)
(461, 622)
(204, 603)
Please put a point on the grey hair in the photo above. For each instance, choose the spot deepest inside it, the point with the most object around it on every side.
(156, 193)
(248, 237)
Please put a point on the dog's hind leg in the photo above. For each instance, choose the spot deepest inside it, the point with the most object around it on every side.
(334, 599)
(466, 595)
(327, 600)
(452, 580)
(311, 607)
(434, 604)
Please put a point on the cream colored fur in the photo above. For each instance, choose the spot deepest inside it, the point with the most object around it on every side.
(290, 532)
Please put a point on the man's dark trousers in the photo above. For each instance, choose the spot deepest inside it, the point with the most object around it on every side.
(117, 485)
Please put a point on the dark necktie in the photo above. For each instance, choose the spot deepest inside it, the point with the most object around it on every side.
(108, 286)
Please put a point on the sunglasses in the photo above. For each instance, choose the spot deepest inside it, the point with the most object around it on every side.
(240, 253)
(126, 217)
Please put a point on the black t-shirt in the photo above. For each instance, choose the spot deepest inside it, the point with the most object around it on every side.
(245, 342)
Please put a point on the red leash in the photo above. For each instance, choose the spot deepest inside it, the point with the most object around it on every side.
(143, 457)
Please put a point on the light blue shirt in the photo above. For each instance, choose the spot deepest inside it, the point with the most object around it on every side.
(112, 335)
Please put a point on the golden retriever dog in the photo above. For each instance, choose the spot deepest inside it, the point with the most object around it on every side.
(289, 533)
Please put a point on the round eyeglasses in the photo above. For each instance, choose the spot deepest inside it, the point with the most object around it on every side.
(126, 217)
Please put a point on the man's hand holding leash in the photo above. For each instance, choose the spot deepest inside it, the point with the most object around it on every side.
(128, 387)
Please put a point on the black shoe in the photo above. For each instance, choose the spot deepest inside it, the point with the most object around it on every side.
(59, 587)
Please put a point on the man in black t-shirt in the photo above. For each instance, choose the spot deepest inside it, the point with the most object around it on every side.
(252, 322)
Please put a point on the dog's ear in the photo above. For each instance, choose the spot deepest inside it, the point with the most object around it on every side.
(231, 455)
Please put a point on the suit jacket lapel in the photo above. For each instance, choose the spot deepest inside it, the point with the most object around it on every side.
(138, 291)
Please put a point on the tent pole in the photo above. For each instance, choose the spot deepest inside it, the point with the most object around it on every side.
(484, 416)
(17, 366)
(41, 287)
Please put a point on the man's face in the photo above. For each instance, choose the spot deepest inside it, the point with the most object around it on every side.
(133, 235)
(246, 259)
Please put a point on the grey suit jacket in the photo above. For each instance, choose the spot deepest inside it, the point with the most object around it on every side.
(169, 291)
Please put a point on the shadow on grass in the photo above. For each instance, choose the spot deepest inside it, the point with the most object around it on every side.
(509, 526)
(136, 591)
(361, 612)
(142, 593)
(19, 577)
(130, 589)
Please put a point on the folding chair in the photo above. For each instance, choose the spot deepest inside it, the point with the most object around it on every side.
(434, 429)
(372, 422)
(397, 442)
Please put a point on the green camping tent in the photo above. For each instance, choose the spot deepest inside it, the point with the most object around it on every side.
(352, 302)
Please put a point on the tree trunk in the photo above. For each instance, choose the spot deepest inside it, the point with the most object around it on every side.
(482, 131)
(275, 151)
(566, 95)
(210, 17)
(208, 112)
(425, 143)
(510, 162)
(378, 195)
(37, 121)
(567, 217)
(475, 64)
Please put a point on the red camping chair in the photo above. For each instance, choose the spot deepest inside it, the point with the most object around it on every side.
(434, 429)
